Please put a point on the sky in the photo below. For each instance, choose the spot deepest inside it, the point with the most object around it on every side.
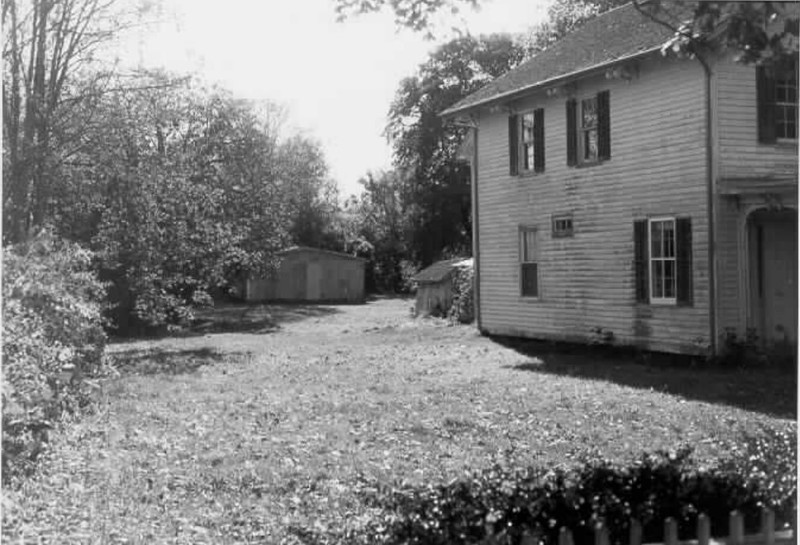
(336, 79)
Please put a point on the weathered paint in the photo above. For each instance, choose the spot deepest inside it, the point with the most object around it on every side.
(657, 168)
(434, 298)
(752, 176)
(311, 275)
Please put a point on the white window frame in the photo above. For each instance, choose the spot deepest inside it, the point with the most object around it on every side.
(656, 300)
(524, 258)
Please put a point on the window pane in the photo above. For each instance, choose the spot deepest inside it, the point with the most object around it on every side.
(527, 127)
(669, 278)
(590, 144)
(658, 279)
(669, 239)
(527, 154)
(589, 112)
(528, 245)
(530, 279)
(655, 239)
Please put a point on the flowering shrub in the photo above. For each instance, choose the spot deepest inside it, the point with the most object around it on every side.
(52, 338)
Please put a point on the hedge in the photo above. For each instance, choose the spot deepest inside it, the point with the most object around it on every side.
(53, 338)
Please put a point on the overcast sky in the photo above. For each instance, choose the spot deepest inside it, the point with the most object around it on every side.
(336, 79)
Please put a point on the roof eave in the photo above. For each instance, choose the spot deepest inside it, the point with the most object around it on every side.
(527, 88)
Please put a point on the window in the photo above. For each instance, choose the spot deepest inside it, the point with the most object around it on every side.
(529, 266)
(588, 130)
(777, 102)
(526, 142)
(663, 260)
(562, 225)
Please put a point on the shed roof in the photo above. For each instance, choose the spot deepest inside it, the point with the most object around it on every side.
(618, 34)
(297, 249)
(437, 272)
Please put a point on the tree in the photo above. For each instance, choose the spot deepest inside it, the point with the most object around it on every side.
(438, 192)
(46, 42)
(739, 26)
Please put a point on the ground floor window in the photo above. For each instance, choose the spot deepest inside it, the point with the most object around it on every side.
(529, 266)
(663, 260)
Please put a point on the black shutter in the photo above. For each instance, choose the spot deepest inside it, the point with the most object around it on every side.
(513, 145)
(765, 93)
(683, 236)
(538, 140)
(572, 132)
(640, 261)
(603, 126)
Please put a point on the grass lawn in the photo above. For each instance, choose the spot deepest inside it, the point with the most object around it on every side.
(269, 421)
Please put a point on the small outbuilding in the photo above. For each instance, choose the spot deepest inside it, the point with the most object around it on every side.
(435, 287)
(311, 275)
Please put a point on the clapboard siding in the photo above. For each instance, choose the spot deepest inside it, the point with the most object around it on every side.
(741, 155)
(657, 168)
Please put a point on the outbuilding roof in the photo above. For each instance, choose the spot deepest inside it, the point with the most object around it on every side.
(618, 34)
(297, 249)
(438, 271)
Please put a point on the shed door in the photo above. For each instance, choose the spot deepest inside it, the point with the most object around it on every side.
(314, 280)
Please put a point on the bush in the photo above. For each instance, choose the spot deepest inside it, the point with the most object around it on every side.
(502, 505)
(463, 309)
(52, 338)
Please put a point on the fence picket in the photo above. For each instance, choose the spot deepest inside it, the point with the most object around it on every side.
(601, 534)
(703, 529)
(736, 529)
(635, 537)
(564, 536)
(671, 531)
(768, 526)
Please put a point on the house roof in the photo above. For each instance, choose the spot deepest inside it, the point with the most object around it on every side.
(618, 34)
(297, 249)
(438, 271)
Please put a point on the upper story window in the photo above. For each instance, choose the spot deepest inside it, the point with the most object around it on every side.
(777, 102)
(588, 129)
(526, 142)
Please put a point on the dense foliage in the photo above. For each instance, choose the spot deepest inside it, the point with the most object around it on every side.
(463, 308)
(52, 339)
(507, 504)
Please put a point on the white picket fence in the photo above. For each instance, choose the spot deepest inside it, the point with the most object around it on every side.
(767, 535)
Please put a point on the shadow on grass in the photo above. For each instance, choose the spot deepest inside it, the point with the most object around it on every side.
(168, 362)
(254, 318)
(765, 390)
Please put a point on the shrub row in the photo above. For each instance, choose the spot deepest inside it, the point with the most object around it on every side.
(503, 505)
(53, 337)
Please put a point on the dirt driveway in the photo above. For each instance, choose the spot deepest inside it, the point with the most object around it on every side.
(267, 422)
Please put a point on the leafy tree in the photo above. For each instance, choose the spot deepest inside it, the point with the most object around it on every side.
(734, 25)
(378, 228)
(438, 192)
(46, 42)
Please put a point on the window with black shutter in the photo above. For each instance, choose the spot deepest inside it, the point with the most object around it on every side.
(588, 129)
(529, 265)
(776, 93)
(663, 260)
(529, 153)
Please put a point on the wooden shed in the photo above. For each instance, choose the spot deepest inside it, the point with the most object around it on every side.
(311, 274)
(435, 288)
